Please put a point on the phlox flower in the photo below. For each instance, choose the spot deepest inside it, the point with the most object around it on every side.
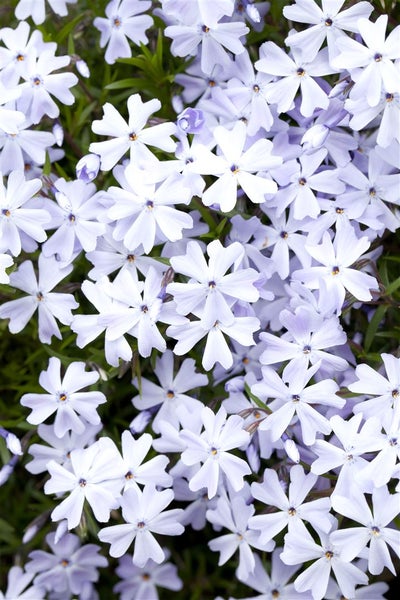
(371, 65)
(326, 23)
(351, 541)
(25, 145)
(136, 314)
(240, 329)
(131, 135)
(17, 45)
(65, 398)
(172, 391)
(41, 84)
(50, 305)
(336, 276)
(18, 223)
(308, 337)
(36, 9)
(17, 586)
(248, 88)
(234, 514)
(292, 510)
(111, 255)
(94, 475)
(144, 514)
(377, 188)
(137, 472)
(382, 468)
(123, 22)
(299, 178)
(88, 328)
(211, 447)
(76, 218)
(282, 235)
(299, 547)
(345, 451)
(142, 582)
(144, 213)
(294, 74)
(292, 396)
(388, 111)
(68, 567)
(58, 448)
(236, 167)
(210, 289)
(385, 389)
(212, 35)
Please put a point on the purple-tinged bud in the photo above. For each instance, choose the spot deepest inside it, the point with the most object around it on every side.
(315, 137)
(13, 444)
(58, 133)
(291, 450)
(191, 120)
(88, 167)
(140, 422)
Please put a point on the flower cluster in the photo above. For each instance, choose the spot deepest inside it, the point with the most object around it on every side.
(207, 263)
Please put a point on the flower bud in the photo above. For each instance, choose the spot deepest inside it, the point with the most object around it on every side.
(82, 68)
(191, 120)
(88, 167)
(58, 133)
(292, 451)
(13, 444)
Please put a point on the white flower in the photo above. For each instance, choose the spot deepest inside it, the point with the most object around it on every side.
(64, 398)
(211, 447)
(144, 515)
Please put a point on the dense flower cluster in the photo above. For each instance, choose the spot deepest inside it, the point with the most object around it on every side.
(228, 247)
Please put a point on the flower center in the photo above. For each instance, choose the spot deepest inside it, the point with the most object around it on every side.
(235, 169)
(133, 136)
(6, 212)
(275, 594)
(20, 57)
(129, 475)
(71, 218)
(395, 394)
(205, 29)
(328, 22)
(212, 284)
(62, 397)
(150, 204)
(300, 72)
(295, 398)
(211, 83)
(284, 235)
(144, 308)
(339, 211)
(302, 181)
(146, 576)
(140, 524)
(372, 191)
(378, 57)
(36, 81)
(64, 562)
(130, 258)
(39, 296)
(117, 22)
(82, 482)
(292, 511)
(335, 270)
(256, 88)
(329, 554)
(389, 97)
(375, 531)
(170, 394)
(306, 349)
(213, 451)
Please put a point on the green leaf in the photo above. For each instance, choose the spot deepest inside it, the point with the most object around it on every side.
(373, 326)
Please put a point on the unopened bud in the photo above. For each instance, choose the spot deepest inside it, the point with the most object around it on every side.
(88, 167)
(292, 451)
(13, 444)
(82, 68)
(58, 133)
